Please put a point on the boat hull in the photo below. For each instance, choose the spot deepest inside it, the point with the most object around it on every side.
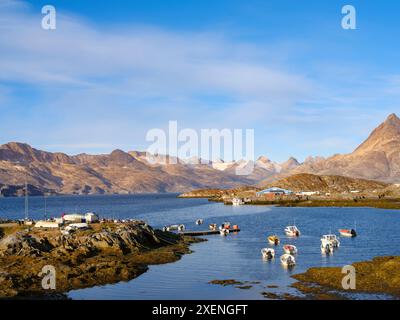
(274, 241)
(290, 250)
(348, 233)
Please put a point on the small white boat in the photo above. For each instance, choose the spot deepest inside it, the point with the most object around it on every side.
(181, 227)
(350, 233)
(292, 231)
(288, 260)
(331, 238)
(237, 202)
(172, 227)
(213, 226)
(290, 249)
(274, 240)
(326, 247)
(199, 221)
(224, 232)
(268, 253)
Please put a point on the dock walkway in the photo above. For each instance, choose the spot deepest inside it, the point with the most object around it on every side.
(204, 233)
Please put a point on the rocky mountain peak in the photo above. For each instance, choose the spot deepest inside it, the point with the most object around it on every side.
(291, 163)
(393, 118)
(121, 157)
(384, 137)
(263, 159)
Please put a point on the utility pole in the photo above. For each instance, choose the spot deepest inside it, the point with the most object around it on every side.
(26, 201)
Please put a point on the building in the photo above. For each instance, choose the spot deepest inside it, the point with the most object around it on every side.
(237, 202)
(275, 191)
(76, 226)
(309, 193)
(47, 224)
(73, 217)
(91, 217)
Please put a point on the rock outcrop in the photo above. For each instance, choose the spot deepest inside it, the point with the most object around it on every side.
(107, 253)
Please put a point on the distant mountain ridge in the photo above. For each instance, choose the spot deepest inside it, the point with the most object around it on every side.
(117, 172)
(377, 158)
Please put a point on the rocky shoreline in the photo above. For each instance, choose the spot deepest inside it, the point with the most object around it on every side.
(378, 276)
(105, 254)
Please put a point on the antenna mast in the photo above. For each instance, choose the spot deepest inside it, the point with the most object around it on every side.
(26, 201)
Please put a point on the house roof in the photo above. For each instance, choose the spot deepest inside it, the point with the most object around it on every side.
(275, 190)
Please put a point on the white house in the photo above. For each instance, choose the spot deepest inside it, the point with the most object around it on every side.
(74, 226)
(237, 202)
(47, 224)
(74, 217)
(91, 217)
(309, 193)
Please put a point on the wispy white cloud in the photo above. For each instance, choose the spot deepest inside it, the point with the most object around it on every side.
(94, 86)
(134, 61)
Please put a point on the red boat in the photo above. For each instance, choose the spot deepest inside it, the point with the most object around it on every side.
(348, 233)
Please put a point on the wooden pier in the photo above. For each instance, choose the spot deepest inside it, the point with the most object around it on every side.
(205, 232)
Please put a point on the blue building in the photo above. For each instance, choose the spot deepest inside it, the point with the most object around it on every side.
(275, 191)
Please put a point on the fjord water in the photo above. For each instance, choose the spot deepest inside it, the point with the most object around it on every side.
(233, 257)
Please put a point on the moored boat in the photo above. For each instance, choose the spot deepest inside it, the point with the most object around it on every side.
(171, 227)
(290, 249)
(332, 239)
(274, 240)
(288, 260)
(224, 232)
(351, 233)
(199, 221)
(268, 253)
(212, 226)
(292, 231)
(326, 247)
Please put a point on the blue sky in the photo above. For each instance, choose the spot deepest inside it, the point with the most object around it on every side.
(115, 69)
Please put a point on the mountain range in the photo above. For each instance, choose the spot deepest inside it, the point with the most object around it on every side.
(377, 158)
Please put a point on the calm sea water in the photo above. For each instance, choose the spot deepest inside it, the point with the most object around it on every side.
(233, 257)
